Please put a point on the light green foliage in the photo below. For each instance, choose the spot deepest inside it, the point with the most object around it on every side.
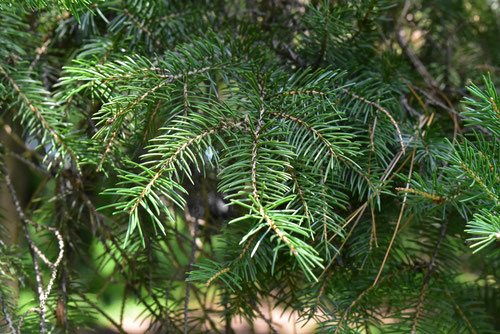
(471, 181)
(201, 159)
(74, 6)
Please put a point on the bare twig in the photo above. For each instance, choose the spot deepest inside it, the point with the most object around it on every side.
(6, 314)
(24, 315)
(422, 70)
(417, 63)
(188, 283)
(40, 51)
(289, 53)
(36, 265)
(396, 229)
(43, 293)
(356, 215)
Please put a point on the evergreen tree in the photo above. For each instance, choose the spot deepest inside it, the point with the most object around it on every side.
(337, 159)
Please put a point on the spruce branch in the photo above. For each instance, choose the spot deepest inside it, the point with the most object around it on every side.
(484, 228)
(460, 311)
(114, 123)
(433, 197)
(228, 268)
(349, 310)
(38, 119)
(384, 111)
(167, 115)
(141, 26)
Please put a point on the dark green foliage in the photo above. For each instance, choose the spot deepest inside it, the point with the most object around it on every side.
(204, 158)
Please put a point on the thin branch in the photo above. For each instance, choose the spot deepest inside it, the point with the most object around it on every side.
(6, 314)
(460, 311)
(105, 234)
(24, 315)
(263, 317)
(188, 283)
(388, 175)
(58, 139)
(205, 310)
(422, 70)
(373, 235)
(473, 175)
(36, 265)
(120, 115)
(255, 142)
(310, 129)
(356, 217)
(400, 217)
(228, 268)
(348, 310)
(383, 110)
(43, 293)
(40, 51)
(317, 134)
(104, 314)
(255, 191)
(166, 164)
(363, 22)
(141, 26)
(417, 63)
(124, 301)
(433, 197)
(324, 42)
(430, 270)
(302, 197)
(277, 230)
(287, 52)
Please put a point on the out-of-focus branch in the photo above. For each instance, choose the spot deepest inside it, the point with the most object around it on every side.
(35, 253)
(412, 56)
(6, 314)
(422, 70)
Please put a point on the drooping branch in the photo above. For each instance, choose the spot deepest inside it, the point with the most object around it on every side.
(384, 111)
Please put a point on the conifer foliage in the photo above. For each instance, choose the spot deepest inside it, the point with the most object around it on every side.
(334, 159)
